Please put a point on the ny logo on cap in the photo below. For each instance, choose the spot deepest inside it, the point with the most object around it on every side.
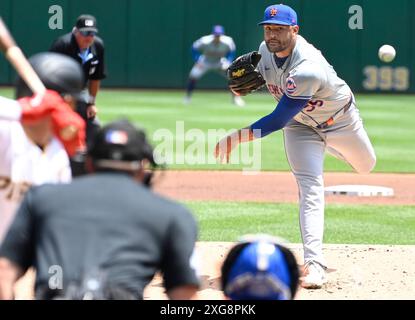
(273, 12)
(89, 23)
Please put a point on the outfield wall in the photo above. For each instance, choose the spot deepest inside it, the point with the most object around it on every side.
(148, 42)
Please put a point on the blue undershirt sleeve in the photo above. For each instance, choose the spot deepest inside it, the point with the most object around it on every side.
(231, 55)
(286, 109)
(195, 54)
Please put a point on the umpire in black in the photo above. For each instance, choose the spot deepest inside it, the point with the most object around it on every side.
(87, 48)
(107, 231)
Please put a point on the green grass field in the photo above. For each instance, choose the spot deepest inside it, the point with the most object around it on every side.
(226, 221)
(388, 120)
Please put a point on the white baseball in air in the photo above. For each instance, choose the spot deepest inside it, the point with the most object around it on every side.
(387, 53)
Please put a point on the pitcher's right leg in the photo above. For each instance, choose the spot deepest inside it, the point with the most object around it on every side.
(305, 153)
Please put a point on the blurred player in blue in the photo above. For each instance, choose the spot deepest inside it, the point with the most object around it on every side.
(214, 52)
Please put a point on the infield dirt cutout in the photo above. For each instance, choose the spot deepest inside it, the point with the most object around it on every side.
(354, 271)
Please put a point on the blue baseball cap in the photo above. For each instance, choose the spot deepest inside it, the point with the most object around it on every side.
(259, 272)
(280, 14)
(218, 30)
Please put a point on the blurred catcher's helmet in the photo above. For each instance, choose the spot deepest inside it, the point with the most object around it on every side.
(57, 72)
(260, 268)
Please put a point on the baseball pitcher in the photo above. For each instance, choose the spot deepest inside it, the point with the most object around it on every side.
(318, 113)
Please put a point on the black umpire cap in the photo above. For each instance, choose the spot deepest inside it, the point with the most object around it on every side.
(86, 22)
(120, 146)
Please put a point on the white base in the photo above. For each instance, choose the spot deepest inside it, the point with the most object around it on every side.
(359, 191)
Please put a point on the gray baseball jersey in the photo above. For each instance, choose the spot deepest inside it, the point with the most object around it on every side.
(307, 75)
(212, 53)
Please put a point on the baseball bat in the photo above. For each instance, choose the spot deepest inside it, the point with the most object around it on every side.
(16, 57)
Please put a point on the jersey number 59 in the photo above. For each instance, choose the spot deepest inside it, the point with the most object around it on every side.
(312, 104)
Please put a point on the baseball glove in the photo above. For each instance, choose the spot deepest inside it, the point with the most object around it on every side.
(242, 76)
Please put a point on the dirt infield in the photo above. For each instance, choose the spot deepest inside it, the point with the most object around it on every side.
(355, 271)
(235, 186)
(358, 272)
